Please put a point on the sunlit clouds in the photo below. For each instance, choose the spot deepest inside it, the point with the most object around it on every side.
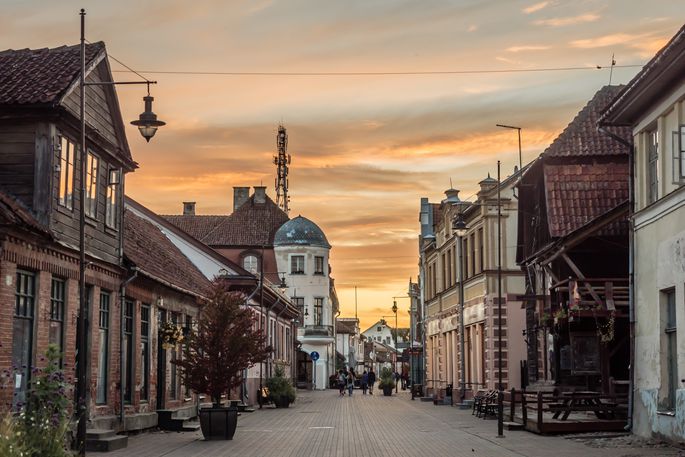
(365, 148)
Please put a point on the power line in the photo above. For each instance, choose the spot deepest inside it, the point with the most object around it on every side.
(369, 73)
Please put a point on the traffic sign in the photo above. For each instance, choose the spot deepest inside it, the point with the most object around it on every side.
(314, 356)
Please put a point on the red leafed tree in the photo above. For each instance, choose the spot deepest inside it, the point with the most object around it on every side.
(224, 344)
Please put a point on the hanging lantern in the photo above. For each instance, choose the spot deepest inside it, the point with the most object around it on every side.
(147, 123)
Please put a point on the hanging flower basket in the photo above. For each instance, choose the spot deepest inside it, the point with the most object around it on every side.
(171, 335)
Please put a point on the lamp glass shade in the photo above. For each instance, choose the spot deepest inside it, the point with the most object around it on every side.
(147, 122)
(459, 225)
(148, 131)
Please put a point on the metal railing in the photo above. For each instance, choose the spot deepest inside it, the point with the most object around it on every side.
(318, 330)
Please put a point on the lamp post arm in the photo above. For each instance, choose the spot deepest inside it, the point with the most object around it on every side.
(114, 83)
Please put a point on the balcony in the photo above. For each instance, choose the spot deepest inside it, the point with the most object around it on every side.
(318, 330)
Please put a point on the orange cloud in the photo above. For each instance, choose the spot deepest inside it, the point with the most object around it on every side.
(572, 20)
(536, 7)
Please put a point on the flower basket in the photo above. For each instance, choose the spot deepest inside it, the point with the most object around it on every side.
(171, 335)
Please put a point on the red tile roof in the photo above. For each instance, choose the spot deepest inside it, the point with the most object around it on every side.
(578, 193)
(153, 253)
(12, 212)
(252, 224)
(41, 76)
(581, 137)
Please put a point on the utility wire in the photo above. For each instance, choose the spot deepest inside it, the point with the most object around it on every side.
(367, 73)
(130, 70)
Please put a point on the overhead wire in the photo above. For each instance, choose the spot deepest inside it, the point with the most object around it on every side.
(368, 73)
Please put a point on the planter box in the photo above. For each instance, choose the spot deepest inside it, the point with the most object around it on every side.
(218, 423)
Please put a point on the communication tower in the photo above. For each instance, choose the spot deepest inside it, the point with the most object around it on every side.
(282, 161)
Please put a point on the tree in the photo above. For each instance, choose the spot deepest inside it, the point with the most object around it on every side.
(224, 344)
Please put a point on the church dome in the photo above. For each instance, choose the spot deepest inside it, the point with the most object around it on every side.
(300, 231)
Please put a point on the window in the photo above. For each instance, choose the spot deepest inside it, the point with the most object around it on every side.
(103, 348)
(288, 344)
(22, 334)
(57, 299)
(173, 384)
(66, 173)
(473, 254)
(480, 250)
(299, 302)
(318, 311)
(297, 265)
(187, 329)
(251, 263)
(678, 148)
(145, 352)
(670, 353)
(465, 257)
(128, 351)
(653, 166)
(112, 203)
(378, 329)
(92, 185)
(318, 265)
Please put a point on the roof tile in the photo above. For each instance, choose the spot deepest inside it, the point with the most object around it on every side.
(41, 76)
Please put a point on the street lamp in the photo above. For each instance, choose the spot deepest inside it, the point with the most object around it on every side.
(460, 229)
(148, 124)
(394, 310)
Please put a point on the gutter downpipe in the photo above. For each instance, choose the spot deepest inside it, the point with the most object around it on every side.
(122, 304)
(631, 268)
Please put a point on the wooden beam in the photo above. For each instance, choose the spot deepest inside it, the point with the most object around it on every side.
(580, 275)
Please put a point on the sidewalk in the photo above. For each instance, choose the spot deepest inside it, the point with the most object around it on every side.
(323, 424)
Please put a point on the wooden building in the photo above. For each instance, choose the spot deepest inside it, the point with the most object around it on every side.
(573, 248)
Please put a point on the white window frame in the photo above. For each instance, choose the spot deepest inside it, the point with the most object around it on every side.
(67, 159)
(92, 170)
(294, 271)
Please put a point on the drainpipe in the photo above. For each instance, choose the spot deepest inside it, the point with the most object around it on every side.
(122, 299)
(631, 269)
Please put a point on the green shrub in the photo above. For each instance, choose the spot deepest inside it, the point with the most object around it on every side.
(279, 385)
(387, 378)
(11, 438)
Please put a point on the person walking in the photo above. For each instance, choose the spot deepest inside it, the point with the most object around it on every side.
(372, 381)
(350, 381)
(342, 380)
(365, 382)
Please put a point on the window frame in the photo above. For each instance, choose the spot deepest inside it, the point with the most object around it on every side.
(319, 259)
(58, 305)
(67, 164)
(293, 264)
(652, 161)
(112, 199)
(26, 286)
(145, 328)
(104, 324)
(129, 362)
(318, 310)
(245, 266)
(670, 349)
(91, 188)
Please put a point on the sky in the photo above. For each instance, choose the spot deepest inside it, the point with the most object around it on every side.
(365, 148)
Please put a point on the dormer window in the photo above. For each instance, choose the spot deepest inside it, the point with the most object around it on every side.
(251, 263)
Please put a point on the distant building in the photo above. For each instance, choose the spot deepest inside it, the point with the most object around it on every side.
(350, 342)
(381, 333)
(652, 105)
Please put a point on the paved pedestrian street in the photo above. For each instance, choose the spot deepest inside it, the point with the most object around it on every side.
(323, 424)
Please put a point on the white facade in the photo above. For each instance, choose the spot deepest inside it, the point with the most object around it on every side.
(302, 253)
(380, 332)
(660, 274)
(349, 343)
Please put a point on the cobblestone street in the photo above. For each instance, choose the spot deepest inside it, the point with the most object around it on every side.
(323, 424)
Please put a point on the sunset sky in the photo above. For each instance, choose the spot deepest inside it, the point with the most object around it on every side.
(365, 148)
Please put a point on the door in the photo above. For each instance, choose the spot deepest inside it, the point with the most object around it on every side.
(161, 363)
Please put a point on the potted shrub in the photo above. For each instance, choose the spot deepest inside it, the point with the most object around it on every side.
(224, 344)
(281, 390)
(387, 382)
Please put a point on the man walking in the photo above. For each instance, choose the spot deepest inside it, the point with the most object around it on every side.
(365, 382)
(372, 380)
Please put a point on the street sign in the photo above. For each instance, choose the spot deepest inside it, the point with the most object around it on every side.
(314, 356)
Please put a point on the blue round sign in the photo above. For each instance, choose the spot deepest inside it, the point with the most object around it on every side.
(314, 356)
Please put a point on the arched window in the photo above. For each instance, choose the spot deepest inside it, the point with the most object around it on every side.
(251, 263)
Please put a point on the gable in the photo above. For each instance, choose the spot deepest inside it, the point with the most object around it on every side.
(103, 115)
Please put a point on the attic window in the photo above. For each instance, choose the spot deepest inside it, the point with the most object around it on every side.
(251, 263)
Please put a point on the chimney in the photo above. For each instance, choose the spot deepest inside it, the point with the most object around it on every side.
(240, 196)
(260, 195)
(189, 208)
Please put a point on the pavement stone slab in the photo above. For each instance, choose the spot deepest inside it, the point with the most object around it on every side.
(323, 424)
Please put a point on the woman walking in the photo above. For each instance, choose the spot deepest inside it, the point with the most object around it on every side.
(342, 380)
(350, 382)
(365, 382)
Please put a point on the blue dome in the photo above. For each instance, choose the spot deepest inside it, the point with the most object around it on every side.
(300, 231)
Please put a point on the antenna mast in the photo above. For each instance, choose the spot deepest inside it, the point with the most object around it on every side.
(282, 161)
